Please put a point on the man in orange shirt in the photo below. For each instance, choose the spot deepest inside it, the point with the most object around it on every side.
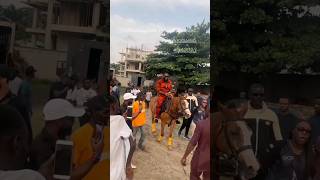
(163, 87)
(139, 118)
(91, 143)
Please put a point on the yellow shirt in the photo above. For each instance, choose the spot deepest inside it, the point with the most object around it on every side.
(83, 152)
(142, 117)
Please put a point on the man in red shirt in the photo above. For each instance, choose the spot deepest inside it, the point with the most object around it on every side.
(163, 87)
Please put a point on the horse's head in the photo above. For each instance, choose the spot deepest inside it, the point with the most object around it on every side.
(184, 107)
(235, 138)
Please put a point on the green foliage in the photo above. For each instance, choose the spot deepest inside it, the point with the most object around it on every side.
(115, 66)
(22, 17)
(184, 55)
(265, 36)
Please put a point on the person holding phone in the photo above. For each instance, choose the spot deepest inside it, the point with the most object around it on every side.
(14, 148)
(59, 116)
(91, 143)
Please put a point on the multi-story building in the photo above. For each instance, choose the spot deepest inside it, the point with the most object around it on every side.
(132, 65)
(70, 35)
(57, 21)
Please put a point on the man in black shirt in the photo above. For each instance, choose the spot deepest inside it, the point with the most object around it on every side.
(8, 98)
(287, 120)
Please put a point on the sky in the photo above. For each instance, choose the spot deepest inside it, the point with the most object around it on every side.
(139, 23)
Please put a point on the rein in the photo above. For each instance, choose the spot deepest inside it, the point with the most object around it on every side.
(234, 152)
(174, 117)
(232, 158)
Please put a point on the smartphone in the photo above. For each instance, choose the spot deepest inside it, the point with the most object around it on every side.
(63, 159)
(99, 129)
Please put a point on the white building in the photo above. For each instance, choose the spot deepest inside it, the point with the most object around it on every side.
(132, 67)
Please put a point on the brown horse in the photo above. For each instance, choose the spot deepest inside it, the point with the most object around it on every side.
(232, 138)
(178, 108)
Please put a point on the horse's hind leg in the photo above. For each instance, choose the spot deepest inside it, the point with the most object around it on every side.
(161, 132)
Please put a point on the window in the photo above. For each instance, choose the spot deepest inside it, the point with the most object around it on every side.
(136, 66)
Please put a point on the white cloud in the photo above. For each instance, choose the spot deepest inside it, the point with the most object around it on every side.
(171, 4)
(128, 32)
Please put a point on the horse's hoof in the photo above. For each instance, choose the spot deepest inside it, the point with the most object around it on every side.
(170, 141)
(153, 128)
(160, 138)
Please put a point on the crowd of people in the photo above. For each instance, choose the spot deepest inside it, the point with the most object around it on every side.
(285, 143)
(25, 155)
(130, 117)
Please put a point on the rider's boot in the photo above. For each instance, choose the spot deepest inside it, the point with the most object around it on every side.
(160, 138)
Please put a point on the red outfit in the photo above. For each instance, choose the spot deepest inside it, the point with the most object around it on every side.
(200, 162)
(162, 88)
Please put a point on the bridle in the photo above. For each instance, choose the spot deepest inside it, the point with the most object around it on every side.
(181, 111)
(235, 152)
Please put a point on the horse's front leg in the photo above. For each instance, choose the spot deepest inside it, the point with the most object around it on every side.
(153, 125)
(161, 132)
(170, 139)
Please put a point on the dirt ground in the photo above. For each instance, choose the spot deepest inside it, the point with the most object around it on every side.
(159, 163)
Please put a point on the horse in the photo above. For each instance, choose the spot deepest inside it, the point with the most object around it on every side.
(178, 107)
(232, 144)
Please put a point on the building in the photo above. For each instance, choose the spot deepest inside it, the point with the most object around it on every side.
(7, 34)
(132, 66)
(57, 21)
(70, 35)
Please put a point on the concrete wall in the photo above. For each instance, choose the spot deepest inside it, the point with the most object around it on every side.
(299, 88)
(44, 61)
(123, 80)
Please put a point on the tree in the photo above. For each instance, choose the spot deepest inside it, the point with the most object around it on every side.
(22, 17)
(184, 55)
(265, 36)
(115, 66)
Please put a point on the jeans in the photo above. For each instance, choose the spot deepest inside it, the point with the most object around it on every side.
(142, 137)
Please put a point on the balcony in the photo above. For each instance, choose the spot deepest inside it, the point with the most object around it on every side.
(36, 30)
(77, 29)
(135, 59)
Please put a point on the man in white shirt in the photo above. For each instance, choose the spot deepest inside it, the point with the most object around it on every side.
(14, 148)
(193, 104)
(135, 91)
(121, 145)
(15, 84)
(85, 93)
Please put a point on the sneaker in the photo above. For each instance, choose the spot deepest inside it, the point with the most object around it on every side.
(187, 138)
(133, 166)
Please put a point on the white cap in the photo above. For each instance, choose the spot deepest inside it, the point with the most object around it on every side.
(128, 96)
(60, 108)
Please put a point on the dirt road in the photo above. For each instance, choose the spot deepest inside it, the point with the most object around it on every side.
(159, 163)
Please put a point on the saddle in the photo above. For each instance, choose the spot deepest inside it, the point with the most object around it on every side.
(166, 105)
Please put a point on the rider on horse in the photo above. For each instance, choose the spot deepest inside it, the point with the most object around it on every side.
(163, 87)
